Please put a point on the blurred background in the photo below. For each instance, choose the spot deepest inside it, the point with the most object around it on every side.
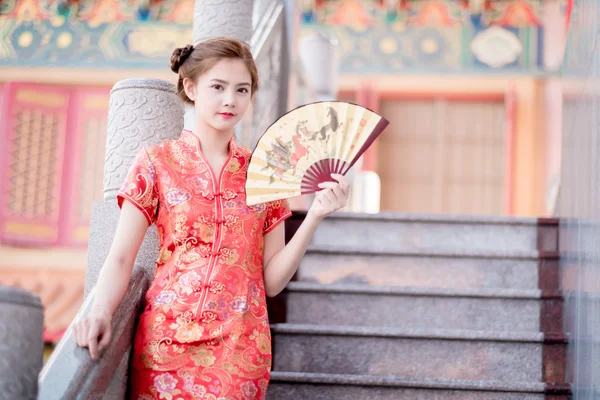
(485, 106)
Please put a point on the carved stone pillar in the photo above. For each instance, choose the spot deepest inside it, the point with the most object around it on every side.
(142, 112)
(230, 18)
(21, 345)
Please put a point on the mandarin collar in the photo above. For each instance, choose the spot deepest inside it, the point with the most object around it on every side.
(191, 139)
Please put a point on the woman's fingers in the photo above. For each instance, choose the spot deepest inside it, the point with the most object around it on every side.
(343, 181)
(82, 329)
(92, 339)
(339, 194)
(74, 334)
(331, 198)
(341, 187)
(105, 340)
(328, 200)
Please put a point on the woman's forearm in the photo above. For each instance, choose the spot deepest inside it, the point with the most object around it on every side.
(284, 264)
(111, 286)
(115, 274)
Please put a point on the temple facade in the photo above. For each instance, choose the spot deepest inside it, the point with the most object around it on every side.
(468, 86)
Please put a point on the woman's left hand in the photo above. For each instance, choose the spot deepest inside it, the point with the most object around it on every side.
(332, 197)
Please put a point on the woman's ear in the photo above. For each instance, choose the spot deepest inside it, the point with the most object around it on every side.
(190, 88)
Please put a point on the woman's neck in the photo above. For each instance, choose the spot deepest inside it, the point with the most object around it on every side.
(213, 142)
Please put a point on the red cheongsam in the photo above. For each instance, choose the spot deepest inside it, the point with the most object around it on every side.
(204, 332)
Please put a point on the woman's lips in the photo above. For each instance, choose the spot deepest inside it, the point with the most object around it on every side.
(226, 115)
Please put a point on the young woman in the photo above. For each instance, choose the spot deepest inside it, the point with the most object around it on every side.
(204, 333)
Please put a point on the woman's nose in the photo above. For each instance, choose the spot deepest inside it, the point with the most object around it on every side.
(229, 99)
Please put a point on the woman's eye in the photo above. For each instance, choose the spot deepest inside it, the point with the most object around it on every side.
(243, 90)
(217, 87)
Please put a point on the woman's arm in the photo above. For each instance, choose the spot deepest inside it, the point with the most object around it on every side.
(116, 272)
(94, 331)
(281, 261)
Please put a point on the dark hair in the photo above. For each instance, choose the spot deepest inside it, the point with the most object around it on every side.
(192, 61)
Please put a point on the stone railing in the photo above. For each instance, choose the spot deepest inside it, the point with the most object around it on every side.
(71, 374)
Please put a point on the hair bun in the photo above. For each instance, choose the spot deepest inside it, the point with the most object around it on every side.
(179, 56)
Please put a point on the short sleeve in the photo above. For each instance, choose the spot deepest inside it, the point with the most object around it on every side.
(140, 186)
(277, 212)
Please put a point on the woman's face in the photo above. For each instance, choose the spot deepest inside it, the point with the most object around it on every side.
(222, 94)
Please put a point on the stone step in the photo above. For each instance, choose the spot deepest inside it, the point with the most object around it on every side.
(414, 232)
(293, 385)
(414, 353)
(408, 307)
(433, 268)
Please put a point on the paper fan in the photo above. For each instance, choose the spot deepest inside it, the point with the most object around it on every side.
(306, 145)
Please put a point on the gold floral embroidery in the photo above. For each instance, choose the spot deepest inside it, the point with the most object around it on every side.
(208, 317)
(187, 331)
(201, 357)
(263, 343)
(180, 223)
(217, 287)
(230, 257)
(233, 166)
(205, 232)
(164, 255)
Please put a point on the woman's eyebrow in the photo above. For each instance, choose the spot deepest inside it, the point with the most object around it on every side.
(226, 83)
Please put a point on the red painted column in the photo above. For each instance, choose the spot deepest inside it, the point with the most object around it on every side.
(368, 96)
(509, 181)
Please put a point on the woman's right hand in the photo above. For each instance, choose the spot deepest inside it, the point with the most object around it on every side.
(93, 332)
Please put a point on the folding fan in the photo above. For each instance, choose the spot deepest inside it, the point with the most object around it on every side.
(306, 145)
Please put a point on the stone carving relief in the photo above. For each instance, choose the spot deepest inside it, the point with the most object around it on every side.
(231, 18)
(142, 112)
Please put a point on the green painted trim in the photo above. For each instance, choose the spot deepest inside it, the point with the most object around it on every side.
(466, 58)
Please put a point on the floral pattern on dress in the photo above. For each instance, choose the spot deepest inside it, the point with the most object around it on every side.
(204, 332)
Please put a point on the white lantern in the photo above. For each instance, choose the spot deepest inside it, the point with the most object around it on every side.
(318, 54)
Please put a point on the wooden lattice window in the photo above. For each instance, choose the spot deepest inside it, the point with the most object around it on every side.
(52, 154)
(34, 139)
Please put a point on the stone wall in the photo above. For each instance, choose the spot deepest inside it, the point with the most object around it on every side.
(580, 198)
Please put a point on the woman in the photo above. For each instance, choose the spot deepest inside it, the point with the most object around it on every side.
(204, 333)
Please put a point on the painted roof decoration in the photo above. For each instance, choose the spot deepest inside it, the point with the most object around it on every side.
(390, 36)
(375, 36)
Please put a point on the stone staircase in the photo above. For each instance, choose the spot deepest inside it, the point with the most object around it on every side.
(424, 307)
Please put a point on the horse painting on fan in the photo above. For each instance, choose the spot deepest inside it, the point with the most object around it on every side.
(332, 125)
(304, 137)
